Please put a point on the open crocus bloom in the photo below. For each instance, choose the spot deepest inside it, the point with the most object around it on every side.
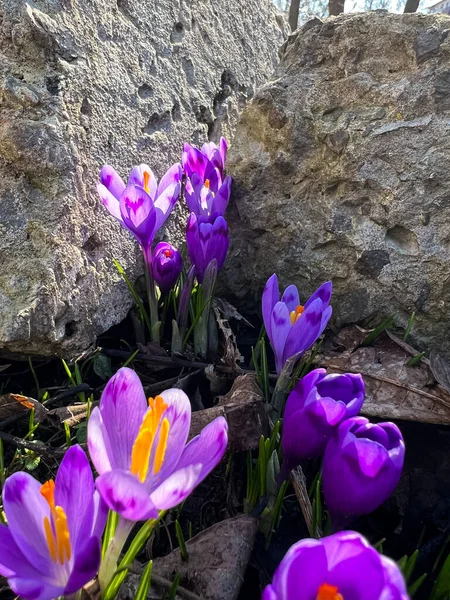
(362, 466)
(314, 408)
(207, 196)
(291, 327)
(139, 448)
(51, 546)
(207, 239)
(342, 566)
(197, 161)
(142, 206)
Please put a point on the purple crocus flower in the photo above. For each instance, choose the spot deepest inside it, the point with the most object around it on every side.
(207, 196)
(207, 239)
(314, 408)
(362, 465)
(196, 161)
(343, 566)
(52, 546)
(291, 327)
(166, 266)
(142, 206)
(139, 448)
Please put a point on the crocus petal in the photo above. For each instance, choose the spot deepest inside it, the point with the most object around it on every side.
(222, 197)
(34, 589)
(12, 560)
(195, 162)
(291, 297)
(327, 410)
(306, 562)
(326, 316)
(207, 448)
(137, 178)
(178, 413)
(296, 399)
(371, 457)
(110, 201)
(165, 202)
(270, 296)
(99, 446)
(122, 407)
(85, 567)
(111, 181)
(176, 487)
(138, 214)
(223, 147)
(323, 292)
(126, 495)
(219, 242)
(74, 488)
(280, 328)
(173, 175)
(305, 330)
(25, 509)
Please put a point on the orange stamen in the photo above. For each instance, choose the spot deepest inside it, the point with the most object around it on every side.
(296, 314)
(142, 447)
(168, 253)
(328, 592)
(207, 184)
(56, 529)
(146, 180)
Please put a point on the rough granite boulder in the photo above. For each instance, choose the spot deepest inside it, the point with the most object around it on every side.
(88, 82)
(342, 171)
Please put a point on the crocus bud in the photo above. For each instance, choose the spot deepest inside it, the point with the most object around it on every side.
(337, 567)
(207, 239)
(362, 465)
(314, 409)
(166, 266)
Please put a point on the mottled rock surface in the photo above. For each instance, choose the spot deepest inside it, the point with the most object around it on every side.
(342, 171)
(88, 82)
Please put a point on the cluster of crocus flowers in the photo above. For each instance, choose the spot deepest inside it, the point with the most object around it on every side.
(343, 566)
(293, 328)
(52, 544)
(207, 193)
(315, 407)
(362, 466)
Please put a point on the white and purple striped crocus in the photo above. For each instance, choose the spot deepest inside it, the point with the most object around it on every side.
(293, 328)
(139, 449)
(207, 190)
(343, 566)
(143, 205)
(51, 546)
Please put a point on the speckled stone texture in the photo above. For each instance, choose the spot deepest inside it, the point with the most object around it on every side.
(342, 171)
(88, 82)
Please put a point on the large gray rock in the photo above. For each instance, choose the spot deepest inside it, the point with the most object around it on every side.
(342, 171)
(88, 82)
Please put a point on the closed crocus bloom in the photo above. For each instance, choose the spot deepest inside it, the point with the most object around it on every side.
(207, 239)
(197, 161)
(51, 546)
(362, 465)
(143, 205)
(343, 566)
(139, 448)
(314, 408)
(293, 328)
(166, 266)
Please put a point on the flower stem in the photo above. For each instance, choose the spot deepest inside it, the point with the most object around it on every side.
(151, 293)
(109, 563)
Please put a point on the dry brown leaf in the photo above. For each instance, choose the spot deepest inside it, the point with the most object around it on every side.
(218, 559)
(393, 390)
(12, 404)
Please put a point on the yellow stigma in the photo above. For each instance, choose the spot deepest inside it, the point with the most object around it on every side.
(328, 592)
(142, 447)
(296, 314)
(56, 528)
(146, 180)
